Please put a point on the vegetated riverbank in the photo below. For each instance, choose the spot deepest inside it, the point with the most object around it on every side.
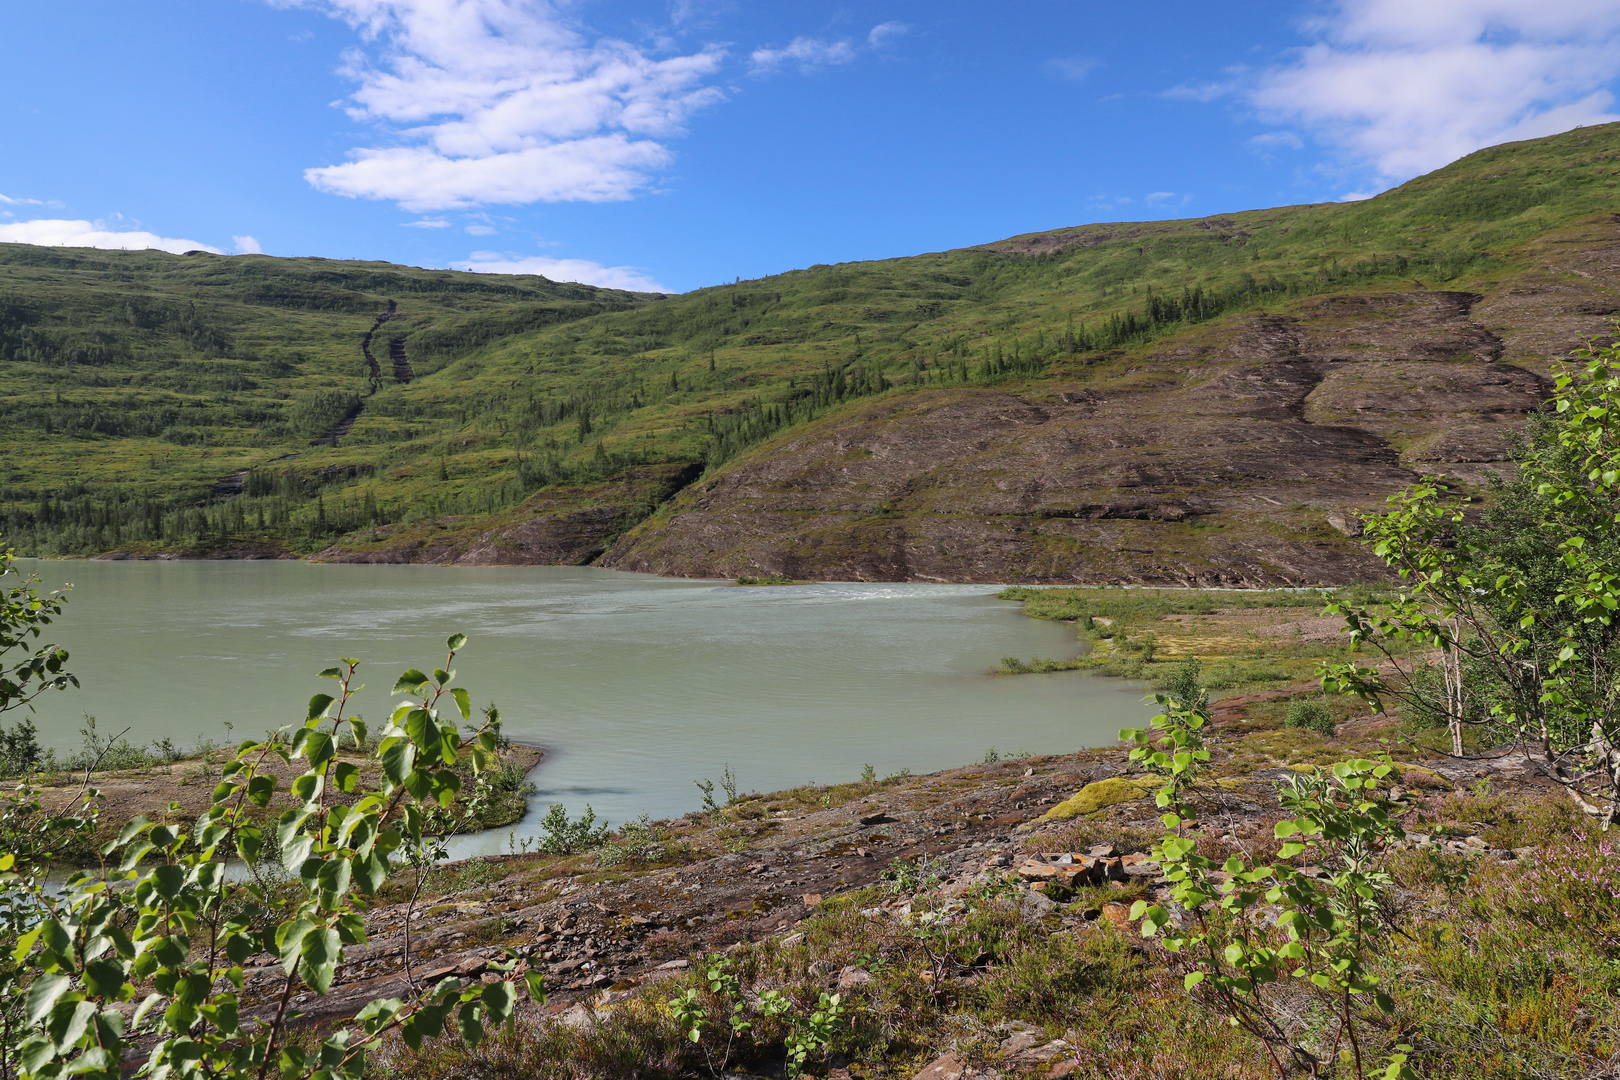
(955, 954)
(1245, 641)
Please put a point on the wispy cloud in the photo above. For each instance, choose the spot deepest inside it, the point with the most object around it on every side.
(58, 232)
(1073, 68)
(811, 53)
(881, 34)
(504, 101)
(581, 270)
(1401, 87)
(7, 200)
(1286, 139)
(1207, 91)
(806, 53)
(246, 245)
(427, 223)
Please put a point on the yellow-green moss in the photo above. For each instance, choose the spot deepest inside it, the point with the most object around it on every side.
(1097, 796)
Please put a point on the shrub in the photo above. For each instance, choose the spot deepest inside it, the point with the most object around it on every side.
(563, 836)
(20, 753)
(1045, 980)
(1229, 945)
(1575, 880)
(1310, 715)
(1184, 686)
(640, 841)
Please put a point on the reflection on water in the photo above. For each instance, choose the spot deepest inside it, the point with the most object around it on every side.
(636, 686)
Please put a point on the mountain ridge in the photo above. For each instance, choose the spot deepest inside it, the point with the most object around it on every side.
(1099, 402)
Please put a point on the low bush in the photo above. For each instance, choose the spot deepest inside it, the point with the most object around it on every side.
(561, 835)
(640, 841)
(1311, 715)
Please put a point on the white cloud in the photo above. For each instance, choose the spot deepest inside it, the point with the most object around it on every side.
(806, 52)
(581, 270)
(427, 223)
(882, 33)
(6, 200)
(1286, 139)
(1073, 68)
(809, 54)
(1203, 92)
(481, 230)
(1158, 196)
(56, 232)
(1405, 87)
(502, 101)
(246, 245)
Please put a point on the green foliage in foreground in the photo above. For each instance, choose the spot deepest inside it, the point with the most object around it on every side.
(1520, 608)
(135, 386)
(158, 918)
(29, 666)
(1246, 935)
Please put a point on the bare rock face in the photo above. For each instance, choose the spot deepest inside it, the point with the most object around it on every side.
(1238, 454)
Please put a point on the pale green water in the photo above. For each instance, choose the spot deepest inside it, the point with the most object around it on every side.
(635, 685)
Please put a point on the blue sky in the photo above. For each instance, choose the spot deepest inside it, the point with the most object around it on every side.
(682, 144)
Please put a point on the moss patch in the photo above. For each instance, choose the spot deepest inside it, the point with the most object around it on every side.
(1097, 796)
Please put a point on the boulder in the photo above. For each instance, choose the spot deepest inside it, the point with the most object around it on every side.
(947, 1067)
(1068, 870)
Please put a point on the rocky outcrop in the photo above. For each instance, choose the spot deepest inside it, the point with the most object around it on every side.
(1236, 454)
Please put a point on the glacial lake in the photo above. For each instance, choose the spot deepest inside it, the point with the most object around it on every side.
(635, 686)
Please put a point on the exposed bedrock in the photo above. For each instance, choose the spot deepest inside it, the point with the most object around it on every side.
(1217, 460)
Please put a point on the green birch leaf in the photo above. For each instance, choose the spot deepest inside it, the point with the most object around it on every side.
(43, 996)
(500, 999)
(319, 956)
(409, 681)
(398, 757)
(290, 942)
(471, 1023)
(333, 882)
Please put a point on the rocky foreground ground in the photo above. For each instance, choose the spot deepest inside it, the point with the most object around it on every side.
(1076, 827)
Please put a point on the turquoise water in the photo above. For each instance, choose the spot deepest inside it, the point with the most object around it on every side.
(636, 686)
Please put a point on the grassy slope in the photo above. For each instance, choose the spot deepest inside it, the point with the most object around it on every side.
(159, 375)
(155, 375)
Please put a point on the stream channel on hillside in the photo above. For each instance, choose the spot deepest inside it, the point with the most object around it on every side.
(636, 686)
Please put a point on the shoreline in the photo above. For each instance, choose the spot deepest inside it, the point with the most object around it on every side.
(1044, 583)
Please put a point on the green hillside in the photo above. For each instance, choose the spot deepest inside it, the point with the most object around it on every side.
(153, 402)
